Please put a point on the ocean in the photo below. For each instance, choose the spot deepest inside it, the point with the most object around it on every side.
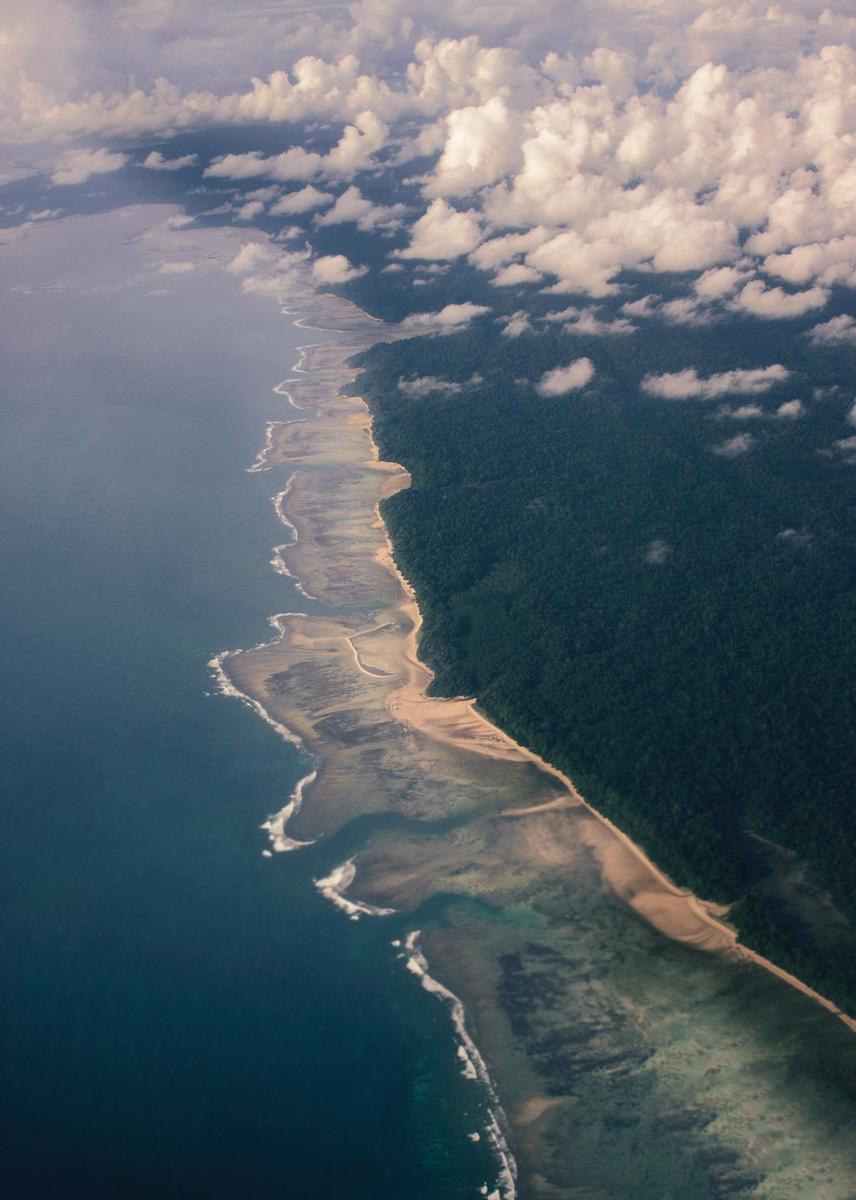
(185, 1014)
(182, 1015)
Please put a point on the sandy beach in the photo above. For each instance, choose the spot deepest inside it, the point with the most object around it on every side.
(490, 819)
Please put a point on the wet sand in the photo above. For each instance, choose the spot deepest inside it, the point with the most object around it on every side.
(542, 878)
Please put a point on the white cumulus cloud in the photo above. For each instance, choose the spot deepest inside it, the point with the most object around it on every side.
(353, 206)
(335, 268)
(443, 233)
(76, 166)
(773, 303)
(562, 380)
(428, 385)
(450, 319)
(742, 443)
(155, 161)
(839, 331)
(303, 200)
(516, 325)
(689, 385)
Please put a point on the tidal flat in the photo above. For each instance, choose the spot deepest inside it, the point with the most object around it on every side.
(634, 1048)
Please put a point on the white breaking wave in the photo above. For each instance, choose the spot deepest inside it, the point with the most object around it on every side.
(225, 687)
(278, 502)
(473, 1067)
(333, 886)
(275, 826)
(279, 565)
(278, 561)
(261, 463)
(282, 390)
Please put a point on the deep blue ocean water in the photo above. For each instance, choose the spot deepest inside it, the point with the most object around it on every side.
(182, 1017)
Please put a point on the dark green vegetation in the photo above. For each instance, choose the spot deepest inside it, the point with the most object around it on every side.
(631, 605)
(696, 700)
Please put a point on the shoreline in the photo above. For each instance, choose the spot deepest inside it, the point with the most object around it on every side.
(413, 707)
(707, 911)
(382, 650)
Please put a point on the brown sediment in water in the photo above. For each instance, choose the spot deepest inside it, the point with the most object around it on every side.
(351, 685)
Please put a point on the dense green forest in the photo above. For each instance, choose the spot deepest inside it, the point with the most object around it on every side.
(672, 626)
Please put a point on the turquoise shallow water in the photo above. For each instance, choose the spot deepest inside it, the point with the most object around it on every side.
(182, 1016)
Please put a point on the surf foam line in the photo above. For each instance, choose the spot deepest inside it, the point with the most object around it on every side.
(278, 502)
(275, 826)
(282, 390)
(261, 463)
(333, 886)
(473, 1067)
(278, 561)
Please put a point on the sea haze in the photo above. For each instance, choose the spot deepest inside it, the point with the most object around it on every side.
(182, 1016)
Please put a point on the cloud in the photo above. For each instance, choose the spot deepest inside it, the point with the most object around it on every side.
(68, 61)
(292, 164)
(155, 161)
(829, 262)
(688, 384)
(645, 135)
(353, 206)
(790, 410)
(357, 146)
(482, 145)
(734, 447)
(562, 380)
(267, 269)
(658, 552)
(585, 321)
(745, 412)
(177, 268)
(305, 199)
(515, 274)
(250, 210)
(718, 282)
(262, 193)
(645, 306)
(443, 233)
(846, 447)
(450, 319)
(335, 268)
(839, 331)
(428, 385)
(776, 304)
(250, 257)
(352, 153)
(686, 310)
(516, 325)
(76, 166)
(795, 537)
(496, 252)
